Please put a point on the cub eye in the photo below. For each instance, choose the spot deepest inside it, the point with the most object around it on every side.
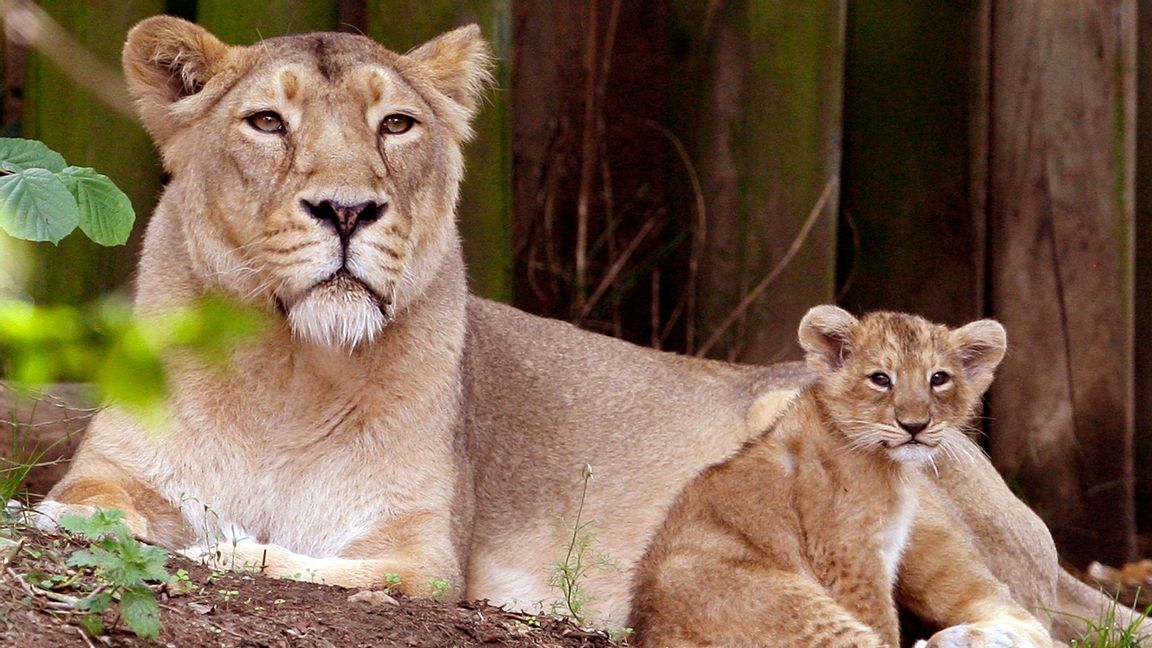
(881, 379)
(396, 124)
(266, 122)
(939, 379)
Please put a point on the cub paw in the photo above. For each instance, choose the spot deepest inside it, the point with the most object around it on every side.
(977, 636)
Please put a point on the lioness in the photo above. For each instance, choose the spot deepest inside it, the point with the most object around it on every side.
(821, 512)
(390, 425)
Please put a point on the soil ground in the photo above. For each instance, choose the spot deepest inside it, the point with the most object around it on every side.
(218, 610)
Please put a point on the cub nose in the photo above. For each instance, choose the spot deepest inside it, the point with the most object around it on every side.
(912, 428)
(345, 218)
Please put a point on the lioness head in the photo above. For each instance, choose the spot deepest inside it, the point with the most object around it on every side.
(898, 383)
(323, 168)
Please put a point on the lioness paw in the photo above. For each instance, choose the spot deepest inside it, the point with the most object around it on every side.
(46, 516)
(978, 636)
(244, 555)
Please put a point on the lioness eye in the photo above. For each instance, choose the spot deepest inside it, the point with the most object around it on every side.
(396, 124)
(266, 122)
(939, 378)
(881, 379)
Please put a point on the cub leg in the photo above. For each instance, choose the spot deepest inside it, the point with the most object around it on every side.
(943, 580)
(721, 604)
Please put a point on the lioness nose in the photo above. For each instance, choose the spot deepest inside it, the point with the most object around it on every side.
(345, 218)
(912, 428)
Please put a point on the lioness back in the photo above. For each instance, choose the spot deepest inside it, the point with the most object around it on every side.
(545, 399)
(799, 539)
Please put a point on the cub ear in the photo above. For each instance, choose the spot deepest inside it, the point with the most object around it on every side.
(981, 345)
(459, 63)
(826, 335)
(165, 60)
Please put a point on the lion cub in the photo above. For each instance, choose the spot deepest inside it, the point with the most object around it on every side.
(812, 533)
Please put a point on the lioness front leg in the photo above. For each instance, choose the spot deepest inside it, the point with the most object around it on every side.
(407, 553)
(98, 484)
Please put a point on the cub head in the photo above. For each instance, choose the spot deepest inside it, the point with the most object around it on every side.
(897, 383)
(316, 174)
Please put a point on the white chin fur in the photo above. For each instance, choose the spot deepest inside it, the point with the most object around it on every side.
(340, 316)
(911, 453)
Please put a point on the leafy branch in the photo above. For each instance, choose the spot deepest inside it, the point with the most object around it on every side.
(42, 198)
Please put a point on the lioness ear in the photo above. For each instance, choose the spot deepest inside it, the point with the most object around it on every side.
(459, 64)
(981, 345)
(825, 335)
(165, 60)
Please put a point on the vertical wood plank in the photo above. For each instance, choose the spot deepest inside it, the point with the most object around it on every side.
(592, 184)
(89, 133)
(485, 211)
(241, 22)
(11, 85)
(760, 103)
(912, 226)
(1061, 197)
(1143, 288)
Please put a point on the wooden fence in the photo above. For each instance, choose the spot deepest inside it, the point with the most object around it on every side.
(694, 174)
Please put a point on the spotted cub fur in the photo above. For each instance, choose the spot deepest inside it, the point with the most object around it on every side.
(813, 532)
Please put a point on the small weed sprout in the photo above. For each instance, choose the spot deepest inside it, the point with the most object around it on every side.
(440, 588)
(393, 581)
(125, 568)
(1107, 631)
(579, 558)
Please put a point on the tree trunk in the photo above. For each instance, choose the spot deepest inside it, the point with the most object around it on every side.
(1061, 196)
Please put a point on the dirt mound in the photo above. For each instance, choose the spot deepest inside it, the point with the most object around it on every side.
(38, 593)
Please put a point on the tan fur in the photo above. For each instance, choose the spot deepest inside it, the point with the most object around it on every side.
(810, 534)
(389, 423)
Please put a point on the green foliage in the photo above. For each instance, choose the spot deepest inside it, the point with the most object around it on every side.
(440, 588)
(125, 566)
(579, 558)
(122, 354)
(44, 199)
(1107, 632)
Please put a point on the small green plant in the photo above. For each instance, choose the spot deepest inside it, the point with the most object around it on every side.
(579, 558)
(440, 588)
(125, 569)
(392, 580)
(42, 198)
(1107, 631)
(619, 634)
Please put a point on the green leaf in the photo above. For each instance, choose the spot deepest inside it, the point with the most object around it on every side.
(96, 603)
(97, 557)
(139, 609)
(93, 624)
(106, 213)
(35, 205)
(101, 523)
(142, 562)
(22, 154)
